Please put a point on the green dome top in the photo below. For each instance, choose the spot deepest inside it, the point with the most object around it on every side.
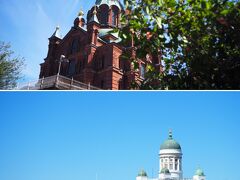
(199, 172)
(142, 173)
(165, 171)
(170, 143)
(110, 3)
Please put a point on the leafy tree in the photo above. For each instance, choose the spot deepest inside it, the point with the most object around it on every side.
(197, 41)
(10, 67)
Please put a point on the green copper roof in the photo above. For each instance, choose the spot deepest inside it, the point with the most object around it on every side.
(142, 173)
(199, 172)
(110, 3)
(165, 171)
(104, 32)
(170, 143)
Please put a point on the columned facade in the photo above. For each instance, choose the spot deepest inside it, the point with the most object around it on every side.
(170, 157)
(170, 163)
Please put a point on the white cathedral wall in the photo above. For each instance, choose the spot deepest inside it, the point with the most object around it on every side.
(176, 175)
(168, 157)
(153, 178)
(170, 163)
(141, 178)
(198, 177)
(170, 151)
(164, 176)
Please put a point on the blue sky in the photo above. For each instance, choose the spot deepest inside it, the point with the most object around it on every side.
(76, 136)
(28, 24)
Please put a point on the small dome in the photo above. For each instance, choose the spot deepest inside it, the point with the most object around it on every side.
(81, 13)
(199, 172)
(142, 173)
(110, 3)
(165, 171)
(170, 143)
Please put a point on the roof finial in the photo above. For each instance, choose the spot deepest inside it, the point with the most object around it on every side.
(81, 13)
(94, 16)
(95, 10)
(57, 33)
(170, 134)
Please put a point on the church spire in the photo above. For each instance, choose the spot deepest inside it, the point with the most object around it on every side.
(79, 21)
(95, 10)
(170, 134)
(94, 16)
(81, 13)
(57, 33)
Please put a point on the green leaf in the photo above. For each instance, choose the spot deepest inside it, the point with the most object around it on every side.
(203, 4)
(224, 12)
(160, 2)
(185, 39)
(159, 22)
(126, 4)
(147, 10)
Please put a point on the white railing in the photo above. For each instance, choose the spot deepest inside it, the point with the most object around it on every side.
(56, 82)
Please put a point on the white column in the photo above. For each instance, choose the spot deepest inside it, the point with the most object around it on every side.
(173, 163)
(178, 164)
(160, 164)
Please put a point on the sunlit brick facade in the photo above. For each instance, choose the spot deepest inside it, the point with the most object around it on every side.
(93, 50)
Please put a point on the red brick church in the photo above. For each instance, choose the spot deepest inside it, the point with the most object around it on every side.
(93, 51)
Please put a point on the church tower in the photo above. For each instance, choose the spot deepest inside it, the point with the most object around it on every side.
(108, 13)
(49, 67)
(93, 51)
(170, 161)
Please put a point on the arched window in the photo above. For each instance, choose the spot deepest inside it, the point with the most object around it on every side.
(104, 14)
(75, 46)
(102, 84)
(80, 66)
(114, 16)
(103, 62)
(176, 164)
(72, 67)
